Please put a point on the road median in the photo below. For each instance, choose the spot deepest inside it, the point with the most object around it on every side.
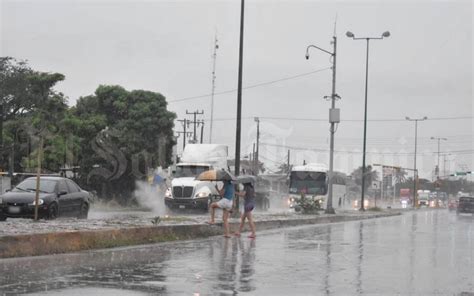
(74, 241)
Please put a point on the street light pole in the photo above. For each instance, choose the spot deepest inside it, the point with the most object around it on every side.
(334, 117)
(351, 35)
(415, 171)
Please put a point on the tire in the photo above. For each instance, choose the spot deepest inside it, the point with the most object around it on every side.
(2, 218)
(53, 211)
(208, 205)
(84, 211)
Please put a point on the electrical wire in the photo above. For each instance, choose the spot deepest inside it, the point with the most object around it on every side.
(342, 120)
(250, 86)
(458, 152)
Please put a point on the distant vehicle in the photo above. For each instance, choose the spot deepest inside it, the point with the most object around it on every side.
(466, 205)
(424, 198)
(405, 197)
(312, 180)
(188, 193)
(461, 194)
(453, 204)
(57, 197)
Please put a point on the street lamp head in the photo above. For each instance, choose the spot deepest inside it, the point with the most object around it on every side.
(386, 34)
(307, 56)
(407, 118)
(425, 118)
(432, 138)
(350, 34)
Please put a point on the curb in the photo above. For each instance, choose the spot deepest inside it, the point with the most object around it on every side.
(67, 242)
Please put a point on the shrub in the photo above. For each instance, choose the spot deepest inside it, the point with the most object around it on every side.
(308, 205)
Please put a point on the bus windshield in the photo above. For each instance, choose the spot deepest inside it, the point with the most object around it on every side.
(308, 182)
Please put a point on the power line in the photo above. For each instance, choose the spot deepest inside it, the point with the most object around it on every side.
(250, 86)
(459, 152)
(325, 120)
(361, 120)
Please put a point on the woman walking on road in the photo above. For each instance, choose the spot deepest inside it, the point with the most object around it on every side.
(249, 204)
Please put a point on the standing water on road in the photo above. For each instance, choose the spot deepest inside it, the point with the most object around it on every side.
(418, 253)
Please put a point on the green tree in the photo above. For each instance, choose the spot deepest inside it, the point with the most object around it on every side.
(122, 135)
(14, 85)
(30, 108)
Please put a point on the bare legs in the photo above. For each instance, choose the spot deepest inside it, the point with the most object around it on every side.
(249, 217)
(225, 219)
(213, 212)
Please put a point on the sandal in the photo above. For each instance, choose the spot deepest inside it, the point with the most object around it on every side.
(237, 234)
(252, 236)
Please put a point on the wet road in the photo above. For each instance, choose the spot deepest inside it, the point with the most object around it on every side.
(422, 253)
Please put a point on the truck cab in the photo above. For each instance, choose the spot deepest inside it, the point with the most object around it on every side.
(188, 193)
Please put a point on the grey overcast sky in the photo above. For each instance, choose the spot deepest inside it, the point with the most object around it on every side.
(423, 69)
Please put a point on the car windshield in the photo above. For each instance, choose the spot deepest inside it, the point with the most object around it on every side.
(46, 186)
(189, 170)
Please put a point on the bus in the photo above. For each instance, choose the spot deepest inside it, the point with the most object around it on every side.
(312, 180)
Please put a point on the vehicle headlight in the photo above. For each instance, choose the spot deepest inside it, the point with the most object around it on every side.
(168, 193)
(202, 194)
(40, 202)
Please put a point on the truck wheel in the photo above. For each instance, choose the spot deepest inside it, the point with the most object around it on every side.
(208, 205)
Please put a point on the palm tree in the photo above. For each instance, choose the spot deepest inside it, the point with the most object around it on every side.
(370, 176)
(400, 177)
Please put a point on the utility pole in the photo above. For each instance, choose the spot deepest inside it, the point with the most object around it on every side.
(214, 58)
(185, 122)
(288, 161)
(239, 92)
(257, 120)
(202, 130)
(438, 183)
(195, 122)
(253, 163)
(415, 171)
(439, 140)
(334, 117)
(444, 163)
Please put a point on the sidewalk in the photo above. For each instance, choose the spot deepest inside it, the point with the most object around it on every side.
(23, 237)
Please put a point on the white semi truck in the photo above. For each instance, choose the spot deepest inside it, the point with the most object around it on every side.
(188, 193)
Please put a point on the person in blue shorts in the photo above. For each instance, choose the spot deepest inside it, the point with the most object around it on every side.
(225, 203)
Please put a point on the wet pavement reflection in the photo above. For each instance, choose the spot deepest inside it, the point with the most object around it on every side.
(418, 253)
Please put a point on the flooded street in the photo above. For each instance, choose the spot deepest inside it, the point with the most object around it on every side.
(421, 253)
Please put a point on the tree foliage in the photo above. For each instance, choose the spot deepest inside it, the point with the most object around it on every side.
(115, 136)
(123, 134)
(370, 176)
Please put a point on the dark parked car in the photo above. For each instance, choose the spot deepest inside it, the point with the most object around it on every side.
(466, 205)
(57, 197)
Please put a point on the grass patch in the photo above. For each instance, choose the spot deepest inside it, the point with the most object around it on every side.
(375, 209)
(175, 219)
